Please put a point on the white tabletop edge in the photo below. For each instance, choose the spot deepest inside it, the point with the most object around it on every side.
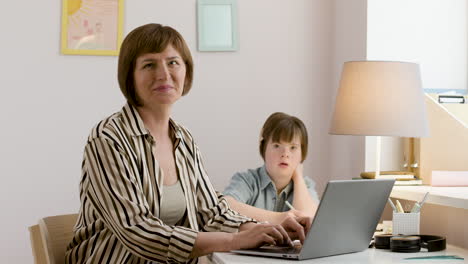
(446, 196)
(369, 256)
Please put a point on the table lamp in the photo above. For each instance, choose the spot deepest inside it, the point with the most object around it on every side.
(380, 98)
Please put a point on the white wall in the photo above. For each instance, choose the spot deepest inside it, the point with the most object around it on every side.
(432, 33)
(51, 101)
(347, 152)
(391, 154)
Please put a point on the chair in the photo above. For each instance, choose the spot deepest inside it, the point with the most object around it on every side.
(50, 238)
(37, 245)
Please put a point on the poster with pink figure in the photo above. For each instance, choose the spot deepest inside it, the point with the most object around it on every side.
(91, 27)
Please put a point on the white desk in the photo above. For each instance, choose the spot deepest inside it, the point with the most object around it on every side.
(370, 256)
(446, 196)
(445, 212)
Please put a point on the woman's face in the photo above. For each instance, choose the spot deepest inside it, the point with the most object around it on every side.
(159, 77)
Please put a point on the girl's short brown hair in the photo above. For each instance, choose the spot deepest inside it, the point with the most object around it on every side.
(150, 38)
(283, 127)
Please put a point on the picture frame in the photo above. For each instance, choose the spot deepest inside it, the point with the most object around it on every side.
(217, 25)
(92, 27)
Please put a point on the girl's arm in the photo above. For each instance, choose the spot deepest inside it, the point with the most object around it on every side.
(303, 201)
(257, 213)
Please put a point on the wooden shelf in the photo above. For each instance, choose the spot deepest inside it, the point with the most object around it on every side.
(446, 196)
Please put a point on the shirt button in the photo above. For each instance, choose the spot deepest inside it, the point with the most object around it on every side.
(150, 139)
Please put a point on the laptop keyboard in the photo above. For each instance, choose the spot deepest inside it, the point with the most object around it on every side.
(278, 249)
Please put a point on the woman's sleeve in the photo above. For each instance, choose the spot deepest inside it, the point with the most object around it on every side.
(120, 202)
(214, 213)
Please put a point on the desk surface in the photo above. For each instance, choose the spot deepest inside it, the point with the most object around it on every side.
(446, 196)
(371, 256)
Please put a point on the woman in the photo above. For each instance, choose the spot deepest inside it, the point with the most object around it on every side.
(145, 196)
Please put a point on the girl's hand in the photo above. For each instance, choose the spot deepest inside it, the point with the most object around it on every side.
(294, 213)
(298, 172)
(279, 217)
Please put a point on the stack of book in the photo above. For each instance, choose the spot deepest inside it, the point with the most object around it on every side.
(453, 98)
(401, 177)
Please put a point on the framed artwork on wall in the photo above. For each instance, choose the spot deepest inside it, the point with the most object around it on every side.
(92, 27)
(217, 25)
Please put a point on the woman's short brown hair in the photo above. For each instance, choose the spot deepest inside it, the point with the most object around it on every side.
(283, 127)
(150, 38)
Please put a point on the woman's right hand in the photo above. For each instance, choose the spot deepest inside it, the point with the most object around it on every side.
(297, 227)
(259, 235)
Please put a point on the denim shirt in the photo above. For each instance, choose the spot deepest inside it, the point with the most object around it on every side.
(254, 187)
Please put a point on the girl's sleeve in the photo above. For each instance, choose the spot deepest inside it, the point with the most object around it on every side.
(241, 187)
(311, 188)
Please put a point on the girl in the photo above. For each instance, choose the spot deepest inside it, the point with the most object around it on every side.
(267, 193)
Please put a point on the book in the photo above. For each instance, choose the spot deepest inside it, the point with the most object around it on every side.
(405, 182)
(410, 182)
(449, 178)
(397, 175)
(458, 99)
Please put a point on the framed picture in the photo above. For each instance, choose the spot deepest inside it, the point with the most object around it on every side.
(217, 25)
(92, 27)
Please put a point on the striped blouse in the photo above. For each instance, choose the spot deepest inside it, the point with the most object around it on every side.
(120, 193)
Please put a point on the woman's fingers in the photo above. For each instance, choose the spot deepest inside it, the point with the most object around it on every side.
(262, 234)
(267, 239)
(278, 233)
(306, 222)
(270, 231)
(294, 228)
(286, 240)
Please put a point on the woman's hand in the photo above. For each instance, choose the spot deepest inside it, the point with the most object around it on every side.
(297, 227)
(298, 173)
(259, 235)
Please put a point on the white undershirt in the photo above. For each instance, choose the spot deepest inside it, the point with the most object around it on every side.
(172, 204)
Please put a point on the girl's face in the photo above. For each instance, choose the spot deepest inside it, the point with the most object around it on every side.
(282, 158)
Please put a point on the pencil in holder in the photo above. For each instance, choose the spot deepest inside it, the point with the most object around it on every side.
(405, 223)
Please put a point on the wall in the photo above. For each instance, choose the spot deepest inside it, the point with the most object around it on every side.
(51, 101)
(391, 156)
(432, 33)
(347, 155)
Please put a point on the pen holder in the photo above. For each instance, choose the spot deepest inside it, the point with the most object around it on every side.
(405, 223)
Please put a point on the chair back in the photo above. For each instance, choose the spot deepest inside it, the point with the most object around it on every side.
(37, 246)
(57, 233)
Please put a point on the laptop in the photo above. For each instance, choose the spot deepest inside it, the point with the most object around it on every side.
(344, 223)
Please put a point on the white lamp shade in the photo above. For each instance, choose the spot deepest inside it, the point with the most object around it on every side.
(380, 98)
